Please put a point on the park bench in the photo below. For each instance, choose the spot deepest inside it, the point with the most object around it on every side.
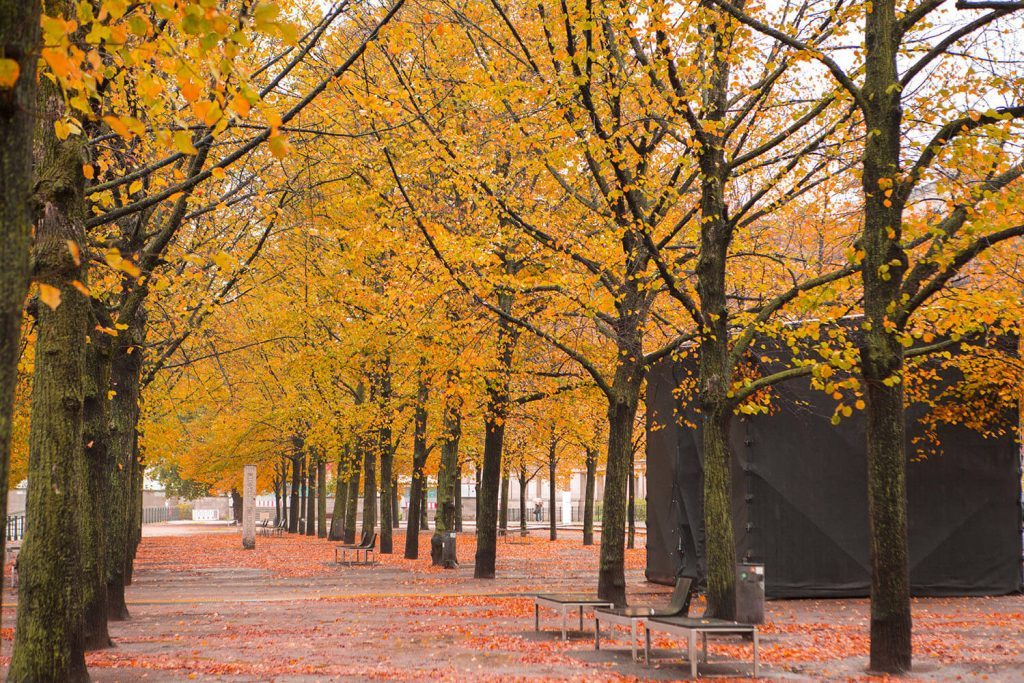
(366, 547)
(264, 528)
(678, 606)
(690, 629)
(563, 602)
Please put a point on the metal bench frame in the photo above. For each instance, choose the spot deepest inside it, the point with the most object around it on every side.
(690, 632)
(558, 604)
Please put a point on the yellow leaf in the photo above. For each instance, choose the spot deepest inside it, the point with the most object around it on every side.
(118, 126)
(76, 253)
(222, 260)
(88, 171)
(279, 146)
(50, 295)
(9, 71)
(81, 288)
(183, 142)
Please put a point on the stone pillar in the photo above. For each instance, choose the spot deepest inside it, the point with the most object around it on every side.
(249, 508)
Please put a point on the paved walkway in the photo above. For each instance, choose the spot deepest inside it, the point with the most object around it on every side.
(204, 608)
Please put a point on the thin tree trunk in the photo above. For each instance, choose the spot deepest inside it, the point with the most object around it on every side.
(337, 532)
(352, 504)
(444, 518)
(458, 498)
(495, 416)
(631, 504)
(19, 36)
(236, 506)
(522, 500)
(396, 513)
(476, 503)
(611, 584)
(48, 640)
(588, 505)
(881, 352)
(125, 375)
(369, 487)
(311, 469)
(321, 498)
(96, 439)
(417, 501)
(135, 520)
(552, 489)
(303, 492)
(383, 397)
(503, 513)
(293, 515)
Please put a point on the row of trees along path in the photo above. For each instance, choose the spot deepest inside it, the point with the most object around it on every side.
(365, 244)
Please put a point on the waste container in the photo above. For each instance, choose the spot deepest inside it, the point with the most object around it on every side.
(449, 556)
(750, 593)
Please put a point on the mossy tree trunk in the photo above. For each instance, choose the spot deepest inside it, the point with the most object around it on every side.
(96, 441)
(881, 353)
(48, 640)
(125, 375)
(19, 41)
(588, 503)
(386, 450)
(419, 461)
(341, 473)
(503, 512)
(495, 416)
(458, 498)
(352, 504)
(312, 464)
(447, 478)
(294, 513)
(523, 481)
(321, 498)
(631, 504)
(369, 486)
(552, 487)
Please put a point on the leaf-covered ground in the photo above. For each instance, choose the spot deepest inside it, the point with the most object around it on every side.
(204, 608)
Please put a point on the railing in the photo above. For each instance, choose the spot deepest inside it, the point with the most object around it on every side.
(15, 526)
(164, 514)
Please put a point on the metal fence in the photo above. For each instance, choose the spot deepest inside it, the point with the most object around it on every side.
(164, 514)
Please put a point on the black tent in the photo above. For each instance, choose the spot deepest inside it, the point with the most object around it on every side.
(799, 499)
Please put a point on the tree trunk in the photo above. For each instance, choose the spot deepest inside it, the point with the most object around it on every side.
(552, 490)
(125, 375)
(611, 584)
(476, 502)
(236, 506)
(369, 487)
(631, 504)
(881, 352)
(303, 492)
(419, 461)
(277, 496)
(522, 500)
(396, 513)
(95, 439)
(311, 469)
(495, 416)
(321, 498)
(588, 504)
(383, 397)
(48, 639)
(337, 532)
(135, 520)
(503, 513)
(19, 36)
(293, 515)
(458, 499)
(444, 518)
(352, 504)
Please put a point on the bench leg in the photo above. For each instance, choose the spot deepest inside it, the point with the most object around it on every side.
(565, 635)
(597, 633)
(704, 649)
(632, 639)
(581, 618)
(536, 616)
(692, 652)
(755, 654)
(647, 646)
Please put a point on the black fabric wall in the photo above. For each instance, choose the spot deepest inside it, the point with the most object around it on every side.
(800, 501)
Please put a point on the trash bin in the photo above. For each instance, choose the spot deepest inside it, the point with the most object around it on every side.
(750, 593)
(449, 556)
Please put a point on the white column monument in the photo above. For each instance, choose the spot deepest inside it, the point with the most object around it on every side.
(249, 508)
